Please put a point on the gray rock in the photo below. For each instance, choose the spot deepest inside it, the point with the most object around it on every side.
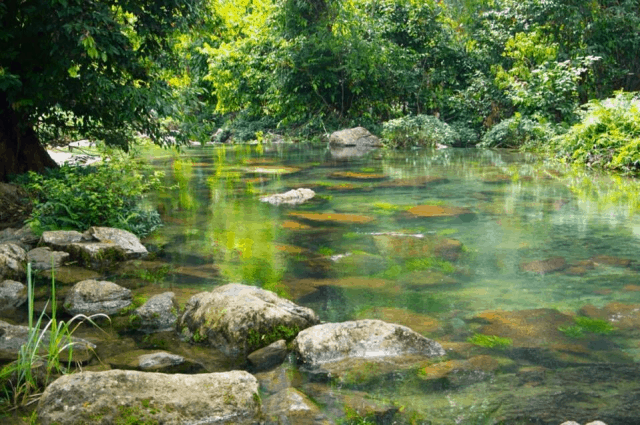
(278, 379)
(291, 407)
(349, 152)
(339, 348)
(93, 297)
(13, 260)
(127, 241)
(42, 258)
(292, 197)
(269, 356)
(158, 314)
(59, 239)
(96, 255)
(13, 337)
(238, 319)
(570, 423)
(12, 294)
(24, 237)
(113, 396)
(596, 423)
(358, 136)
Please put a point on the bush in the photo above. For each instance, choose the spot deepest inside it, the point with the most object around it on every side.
(607, 136)
(518, 131)
(108, 194)
(418, 130)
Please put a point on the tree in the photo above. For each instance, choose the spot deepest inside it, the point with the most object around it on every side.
(87, 65)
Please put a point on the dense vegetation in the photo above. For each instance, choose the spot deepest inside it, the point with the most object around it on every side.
(499, 73)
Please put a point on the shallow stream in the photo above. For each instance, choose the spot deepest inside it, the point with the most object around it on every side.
(453, 243)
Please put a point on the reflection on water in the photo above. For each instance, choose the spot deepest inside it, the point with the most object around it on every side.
(456, 244)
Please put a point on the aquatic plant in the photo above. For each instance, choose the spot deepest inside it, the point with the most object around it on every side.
(428, 263)
(586, 325)
(490, 341)
(20, 383)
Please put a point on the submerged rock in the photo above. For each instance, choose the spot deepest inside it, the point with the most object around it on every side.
(358, 136)
(44, 258)
(338, 348)
(116, 396)
(291, 407)
(332, 217)
(13, 261)
(12, 294)
(158, 314)
(438, 211)
(93, 297)
(238, 319)
(269, 356)
(158, 361)
(406, 247)
(549, 265)
(292, 197)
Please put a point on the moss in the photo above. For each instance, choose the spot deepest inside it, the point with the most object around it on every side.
(257, 339)
(136, 415)
(490, 341)
(586, 325)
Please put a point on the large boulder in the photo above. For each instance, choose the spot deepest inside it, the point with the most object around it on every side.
(94, 297)
(59, 239)
(12, 261)
(238, 319)
(338, 348)
(44, 258)
(127, 241)
(118, 396)
(358, 136)
(292, 197)
(158, 314)
(12, 337)
(12, 294)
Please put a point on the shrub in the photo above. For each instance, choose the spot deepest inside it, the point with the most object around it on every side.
(108, 194)
(418, 130)
(518, 131)
(607, 136)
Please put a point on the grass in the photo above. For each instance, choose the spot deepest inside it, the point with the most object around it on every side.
(20, 382)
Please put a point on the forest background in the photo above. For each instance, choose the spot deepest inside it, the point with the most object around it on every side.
(558, 76)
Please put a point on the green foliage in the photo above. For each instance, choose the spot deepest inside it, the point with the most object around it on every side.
(352, 417)
(47, 339)
(490, 341)
(91, 67)
(430, 263)
(587, 325)
(518, 131)
(108, 194)
(257, 339)
(419, 130)
(607, 136)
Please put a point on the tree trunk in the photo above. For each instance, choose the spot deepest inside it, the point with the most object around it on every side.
(20, 149)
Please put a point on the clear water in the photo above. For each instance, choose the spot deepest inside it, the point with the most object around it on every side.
(517, 211)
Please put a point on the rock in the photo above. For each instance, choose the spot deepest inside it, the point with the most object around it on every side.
(43, 258)
(269, 356)
(24, 237)
(90, 297)
(332, 218)
(459, 373)
(439, 211)
(358, 264)
(420, 181)
(12, 294)
(292, 197)
(570, 423)
(549, 265)
(238, 319)
(159, 361)
(351, 175)
(596, 423)
(278, 379)
(406, 247)
(59, 239)
(127, 241)
(358, 137)
(98, 247)
(118, 396)
(158, 314)
(420, 323)
(625, 317)
(609, 260)
(13, 337)
(332, 347)
(291, 407)
(12, 261)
